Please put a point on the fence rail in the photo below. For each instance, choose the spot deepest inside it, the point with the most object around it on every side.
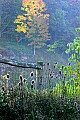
(19, 64)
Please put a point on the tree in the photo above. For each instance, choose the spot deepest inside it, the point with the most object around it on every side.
(64, 18)
(0, 17)
(8, 10)
(34, 22)
(73, 71)
(74, 47)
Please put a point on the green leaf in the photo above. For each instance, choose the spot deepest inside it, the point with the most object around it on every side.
(67, 51)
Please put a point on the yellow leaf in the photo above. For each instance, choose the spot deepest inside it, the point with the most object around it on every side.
(26, 9)
(22, 8)
(21, 17)
(29, 18)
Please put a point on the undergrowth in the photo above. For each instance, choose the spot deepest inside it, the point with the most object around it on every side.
(37, 105)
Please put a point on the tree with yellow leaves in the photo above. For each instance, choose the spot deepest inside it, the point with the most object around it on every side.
(34, 22)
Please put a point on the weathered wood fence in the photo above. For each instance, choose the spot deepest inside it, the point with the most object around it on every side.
(34, 71)
(37, 76)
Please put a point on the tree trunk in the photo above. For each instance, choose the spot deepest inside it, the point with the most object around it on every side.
(34, 49)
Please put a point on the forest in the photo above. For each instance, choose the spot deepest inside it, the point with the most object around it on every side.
(39, 59)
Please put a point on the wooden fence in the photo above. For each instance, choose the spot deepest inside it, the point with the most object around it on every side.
(40, 76)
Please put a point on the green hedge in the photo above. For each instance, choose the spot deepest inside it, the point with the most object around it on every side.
(37, 105)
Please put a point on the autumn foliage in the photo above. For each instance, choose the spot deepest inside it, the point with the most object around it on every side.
(34, 22)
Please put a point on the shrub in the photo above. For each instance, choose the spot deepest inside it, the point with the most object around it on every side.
(38, 105)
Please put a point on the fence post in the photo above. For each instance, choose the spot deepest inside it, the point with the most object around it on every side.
(39, 77)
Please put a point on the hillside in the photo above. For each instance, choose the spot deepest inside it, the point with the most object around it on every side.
(22, 52)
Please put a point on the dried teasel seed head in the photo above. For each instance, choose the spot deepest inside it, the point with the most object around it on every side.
(64, 77)
(56, 63)
(24, 80)
(3, 88)
(59, 72)
(47, 63)
(31, 86)
(62, 66)
(69, 64)
(32, 82)
(65, 74)
(21, 77)
(19, 84)
(50, 74)
(32, 74)
(54, 66)
(7, 75)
